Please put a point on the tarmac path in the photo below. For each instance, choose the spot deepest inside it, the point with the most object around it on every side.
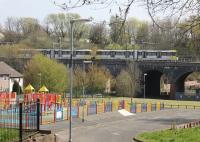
(113, 127)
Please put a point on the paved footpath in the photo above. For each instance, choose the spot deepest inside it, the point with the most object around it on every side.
(113, 127)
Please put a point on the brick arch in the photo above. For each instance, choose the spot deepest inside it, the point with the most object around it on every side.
(152, 83)
(180, 82)
(177, 83)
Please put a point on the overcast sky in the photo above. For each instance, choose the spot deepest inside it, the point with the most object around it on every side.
(41, 8)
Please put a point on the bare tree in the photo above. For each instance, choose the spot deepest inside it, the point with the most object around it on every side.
(12, 29)
(58, 25)
(98, 33)
(164, 8)
(29, 25)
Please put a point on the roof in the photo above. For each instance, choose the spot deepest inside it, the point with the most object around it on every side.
(29, 88)
(43, 89)
(7, 70)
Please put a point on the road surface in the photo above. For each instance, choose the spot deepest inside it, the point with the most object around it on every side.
(113, 127)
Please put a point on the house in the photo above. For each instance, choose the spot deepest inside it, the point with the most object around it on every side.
(7, 77)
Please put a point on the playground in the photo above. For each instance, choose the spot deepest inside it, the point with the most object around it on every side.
(94, 112)
(54, 107)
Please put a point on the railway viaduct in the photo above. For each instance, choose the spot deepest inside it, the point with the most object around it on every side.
(147, 73)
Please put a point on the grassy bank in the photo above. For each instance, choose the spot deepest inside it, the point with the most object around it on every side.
(181, 135)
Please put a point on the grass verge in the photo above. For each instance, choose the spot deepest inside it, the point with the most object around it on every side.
(8, 135)
(177, 135)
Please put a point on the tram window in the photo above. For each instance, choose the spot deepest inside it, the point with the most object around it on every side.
(106, 53)
(65, 52)
(166, 54)
(151, 53)
(77, 52)
(127, 54)
(99, 53)
(173, 53)
(144, 54)
(119, 53)
(112, 54)
(139, 53)
(163, 54)
(87, 52)
(158, 55)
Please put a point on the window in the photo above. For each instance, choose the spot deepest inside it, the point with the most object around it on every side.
(151, 53)
(139, 53)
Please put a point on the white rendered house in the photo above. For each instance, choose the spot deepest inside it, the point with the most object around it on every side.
(7, 77)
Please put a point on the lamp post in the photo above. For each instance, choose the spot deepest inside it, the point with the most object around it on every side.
(145, 74)
(71, 72)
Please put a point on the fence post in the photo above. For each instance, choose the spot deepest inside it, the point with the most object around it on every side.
(146, 107)
(104, 106)
(41, 114)
(55, 109)
(78, 110)
(96, 108)
(87, 108)
(111, 106)
(38, 114)
(20, 122)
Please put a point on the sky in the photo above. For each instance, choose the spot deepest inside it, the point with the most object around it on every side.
(39, 9)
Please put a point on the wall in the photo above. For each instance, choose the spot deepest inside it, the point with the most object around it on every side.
(4, 83)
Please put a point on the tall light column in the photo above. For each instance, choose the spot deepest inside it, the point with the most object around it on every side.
(71, 72)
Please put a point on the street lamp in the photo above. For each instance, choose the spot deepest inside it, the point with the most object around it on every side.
(71, 72)
(145, 74)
